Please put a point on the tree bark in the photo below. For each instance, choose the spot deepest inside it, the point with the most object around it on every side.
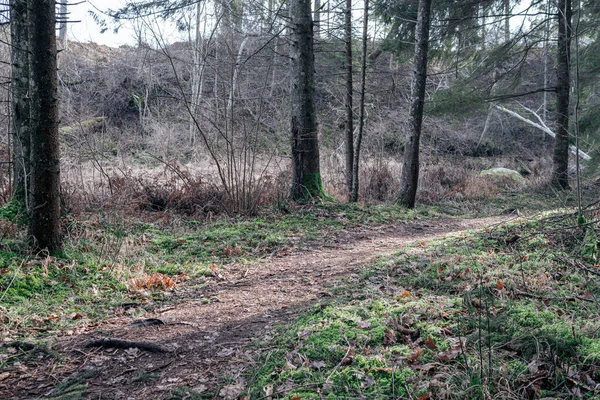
(44, 220)
(317, 19)
(20, 99)
(197, 72)
(361, 106)
(349, 97)
(410, 166)
(560, 173)
(306, 175)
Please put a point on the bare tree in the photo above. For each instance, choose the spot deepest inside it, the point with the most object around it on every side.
(44, 219)
(410, 166)
(306, 174)
(361, 109)
(349, 95)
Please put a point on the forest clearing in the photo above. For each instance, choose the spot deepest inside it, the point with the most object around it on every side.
(295, 199)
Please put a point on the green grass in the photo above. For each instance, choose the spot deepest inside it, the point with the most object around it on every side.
(490, 316)
(89, 280)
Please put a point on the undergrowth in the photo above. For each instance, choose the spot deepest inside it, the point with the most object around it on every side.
(118, 265)
(510, 312)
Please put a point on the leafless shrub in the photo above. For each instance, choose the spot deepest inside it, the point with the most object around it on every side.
(379, 182)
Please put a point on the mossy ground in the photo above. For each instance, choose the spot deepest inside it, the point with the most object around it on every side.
(417, 323)
(89, 281)
(510, 312)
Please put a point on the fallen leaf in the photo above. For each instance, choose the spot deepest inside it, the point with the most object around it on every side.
(154, 281)
(285, 387)
(414, 356)
(215, 272)
(389, 337)
(405, 294)
(349, 357)
(268, 392)
(427, 368)
(500, 285)
(430, 344)
(232, 392)
(4, 375)
(289, 366)
(384, 370)
(317, 365)
(226, 352)
(200, 388)
(424, 397)
(304, 334)
(364, 324)
(367, 383)
(447, 356)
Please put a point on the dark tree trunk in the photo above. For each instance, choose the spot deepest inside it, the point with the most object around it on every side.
(44, 220)
(306, 174)
(410, 166)
(361, 106)
(349, 90)
(560, 173)
(20, 99)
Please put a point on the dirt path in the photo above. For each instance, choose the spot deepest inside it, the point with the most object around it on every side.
(210, 332)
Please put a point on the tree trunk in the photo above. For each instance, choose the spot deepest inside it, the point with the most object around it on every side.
(44, 221)
(317, 19)
(361, 106)
(349, 90)
(410, 166)
(20, 99)
(197, 72)
(560, 173)
(306, 175)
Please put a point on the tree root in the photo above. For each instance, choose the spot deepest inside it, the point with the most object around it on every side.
(124, 344)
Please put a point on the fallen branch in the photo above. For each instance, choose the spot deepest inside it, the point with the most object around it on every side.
(578, 264)
(540, 297)
(541, 126)
(124, 344)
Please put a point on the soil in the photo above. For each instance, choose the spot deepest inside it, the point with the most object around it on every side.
(209, 332)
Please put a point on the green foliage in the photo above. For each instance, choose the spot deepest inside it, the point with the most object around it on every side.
(74, 387)
(458, 100)
(14, 211)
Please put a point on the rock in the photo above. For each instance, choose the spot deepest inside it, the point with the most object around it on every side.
(503, 173)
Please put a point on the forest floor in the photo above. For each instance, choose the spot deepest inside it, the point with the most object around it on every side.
(407, 307)
(208, 331)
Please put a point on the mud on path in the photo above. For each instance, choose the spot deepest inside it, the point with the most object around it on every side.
(209, 333)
